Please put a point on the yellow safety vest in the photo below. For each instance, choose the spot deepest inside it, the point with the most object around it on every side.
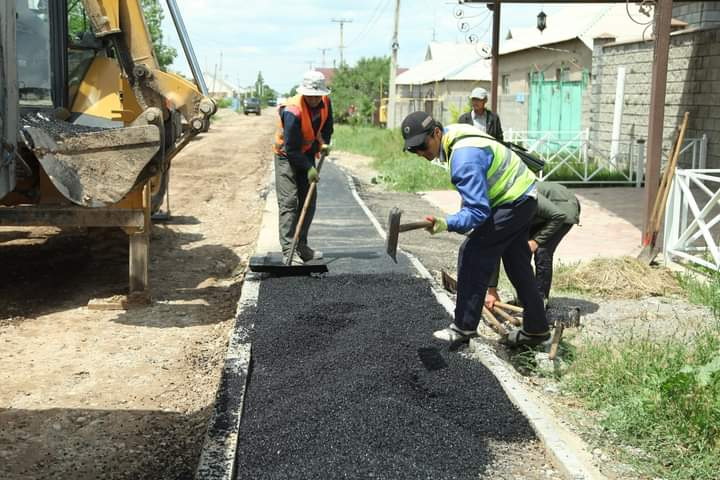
(508, 177)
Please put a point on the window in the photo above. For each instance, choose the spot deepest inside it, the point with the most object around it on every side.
(506, 84)
(33, 53)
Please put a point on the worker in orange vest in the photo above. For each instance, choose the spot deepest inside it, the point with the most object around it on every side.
(304, 130)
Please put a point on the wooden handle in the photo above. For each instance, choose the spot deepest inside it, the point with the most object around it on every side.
(493, 322)
(405, 227)
(508, 318)
(303, 213)
(512, 308)
(557, 335)
(670, 172)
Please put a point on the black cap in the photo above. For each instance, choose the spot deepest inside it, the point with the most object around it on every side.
(415, 128)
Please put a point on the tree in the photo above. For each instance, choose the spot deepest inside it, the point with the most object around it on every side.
(359, 89)
(78, 23)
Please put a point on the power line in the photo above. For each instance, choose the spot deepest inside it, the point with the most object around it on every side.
(374, 17)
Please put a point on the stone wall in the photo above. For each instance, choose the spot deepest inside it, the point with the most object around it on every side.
(697, 14)
(693, 85)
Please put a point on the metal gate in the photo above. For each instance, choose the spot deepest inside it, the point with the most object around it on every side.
(555, 105)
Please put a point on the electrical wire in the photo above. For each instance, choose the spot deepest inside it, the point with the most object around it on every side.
(374, 17)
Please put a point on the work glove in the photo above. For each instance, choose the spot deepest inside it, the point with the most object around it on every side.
(325, 149)
(313, 175)
(438, 224)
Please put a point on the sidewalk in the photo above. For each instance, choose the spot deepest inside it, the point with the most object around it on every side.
(610, 222)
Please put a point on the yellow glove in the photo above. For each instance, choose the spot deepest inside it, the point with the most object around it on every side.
(438, 224)
(313, 175)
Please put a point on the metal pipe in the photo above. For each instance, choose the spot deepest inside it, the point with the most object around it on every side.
(187, 46)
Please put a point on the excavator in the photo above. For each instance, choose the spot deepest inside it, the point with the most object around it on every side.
(89, 121)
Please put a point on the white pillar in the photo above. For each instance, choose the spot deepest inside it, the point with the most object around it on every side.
(618, 112)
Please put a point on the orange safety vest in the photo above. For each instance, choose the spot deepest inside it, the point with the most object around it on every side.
(297, 107)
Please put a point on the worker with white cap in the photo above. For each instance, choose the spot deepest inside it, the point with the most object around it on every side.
(481, 117)
(305, 125)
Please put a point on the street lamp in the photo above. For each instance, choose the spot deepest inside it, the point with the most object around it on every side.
(541, 23)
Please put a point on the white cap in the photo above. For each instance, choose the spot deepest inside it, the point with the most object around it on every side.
(479, 93)
(313, 84)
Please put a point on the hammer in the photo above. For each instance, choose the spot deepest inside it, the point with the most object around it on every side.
(394, 230)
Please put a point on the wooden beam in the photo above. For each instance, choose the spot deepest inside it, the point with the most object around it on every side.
(663, 16)
(37, 216)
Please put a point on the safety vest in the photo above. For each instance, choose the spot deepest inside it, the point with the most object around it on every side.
(508, 178)
(297, 107)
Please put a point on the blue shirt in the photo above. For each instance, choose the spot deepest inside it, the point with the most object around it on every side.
(468, 172)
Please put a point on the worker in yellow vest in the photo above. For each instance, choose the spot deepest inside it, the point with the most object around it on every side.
(304, 130)
(499, 199)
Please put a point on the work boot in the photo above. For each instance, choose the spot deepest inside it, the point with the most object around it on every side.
(296, 260)
(454, 334)
(520, 338)
(307, 253)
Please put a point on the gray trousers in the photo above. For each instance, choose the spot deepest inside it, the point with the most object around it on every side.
(291, 186)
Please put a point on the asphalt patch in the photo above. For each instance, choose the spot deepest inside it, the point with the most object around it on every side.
(338, 389)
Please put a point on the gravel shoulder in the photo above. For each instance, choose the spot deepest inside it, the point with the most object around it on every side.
(602, 319)
(92, 394)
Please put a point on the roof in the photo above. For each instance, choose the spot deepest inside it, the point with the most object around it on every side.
(581, 21)
(218, 84)
(449, 61)
(329, 74)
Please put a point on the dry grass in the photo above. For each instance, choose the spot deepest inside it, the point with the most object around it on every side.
(623, 277)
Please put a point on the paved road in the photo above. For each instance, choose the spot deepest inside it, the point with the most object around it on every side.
(347, 382)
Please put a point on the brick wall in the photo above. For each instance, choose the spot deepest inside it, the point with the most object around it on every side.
(693, 85)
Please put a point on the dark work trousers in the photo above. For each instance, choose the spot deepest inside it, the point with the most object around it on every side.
(291, 186)
(503, 235)
(544, 260)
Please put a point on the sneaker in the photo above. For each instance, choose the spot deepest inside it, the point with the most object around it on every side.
(307, 253)
(296, 260)
(454, 334)
(519, 338)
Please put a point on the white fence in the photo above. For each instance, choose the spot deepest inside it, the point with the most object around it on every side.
(696, 194)
(572, 158)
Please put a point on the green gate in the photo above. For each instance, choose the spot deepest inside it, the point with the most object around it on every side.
(555, 105)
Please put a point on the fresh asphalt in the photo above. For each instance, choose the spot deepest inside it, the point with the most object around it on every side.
(346, 380)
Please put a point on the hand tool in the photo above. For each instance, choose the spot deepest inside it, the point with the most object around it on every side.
(506, 316)
(395, 228)
(268, 263)
(557, 336)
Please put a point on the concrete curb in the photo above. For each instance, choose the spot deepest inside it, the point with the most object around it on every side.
(568, 451)
(217, 459)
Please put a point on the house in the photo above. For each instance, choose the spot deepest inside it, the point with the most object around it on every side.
(219, 88)
(693, 85)
(545, 77)
(440, 85)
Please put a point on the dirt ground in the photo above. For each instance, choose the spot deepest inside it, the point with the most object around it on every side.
(92, 394)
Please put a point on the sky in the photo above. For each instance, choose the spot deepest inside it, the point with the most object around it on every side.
(284, 38)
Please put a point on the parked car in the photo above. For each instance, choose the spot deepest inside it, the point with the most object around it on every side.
(272, 102)
(251, 105)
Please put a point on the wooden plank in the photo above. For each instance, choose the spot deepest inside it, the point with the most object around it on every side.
(36, 216)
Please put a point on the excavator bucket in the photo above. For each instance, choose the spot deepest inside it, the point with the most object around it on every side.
(92, 167)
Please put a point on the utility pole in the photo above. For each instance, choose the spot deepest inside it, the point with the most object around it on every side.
(342, 22)
(310, 64)
(323, 50)
(393, 70)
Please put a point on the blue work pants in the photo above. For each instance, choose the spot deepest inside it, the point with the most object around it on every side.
(503, 235)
